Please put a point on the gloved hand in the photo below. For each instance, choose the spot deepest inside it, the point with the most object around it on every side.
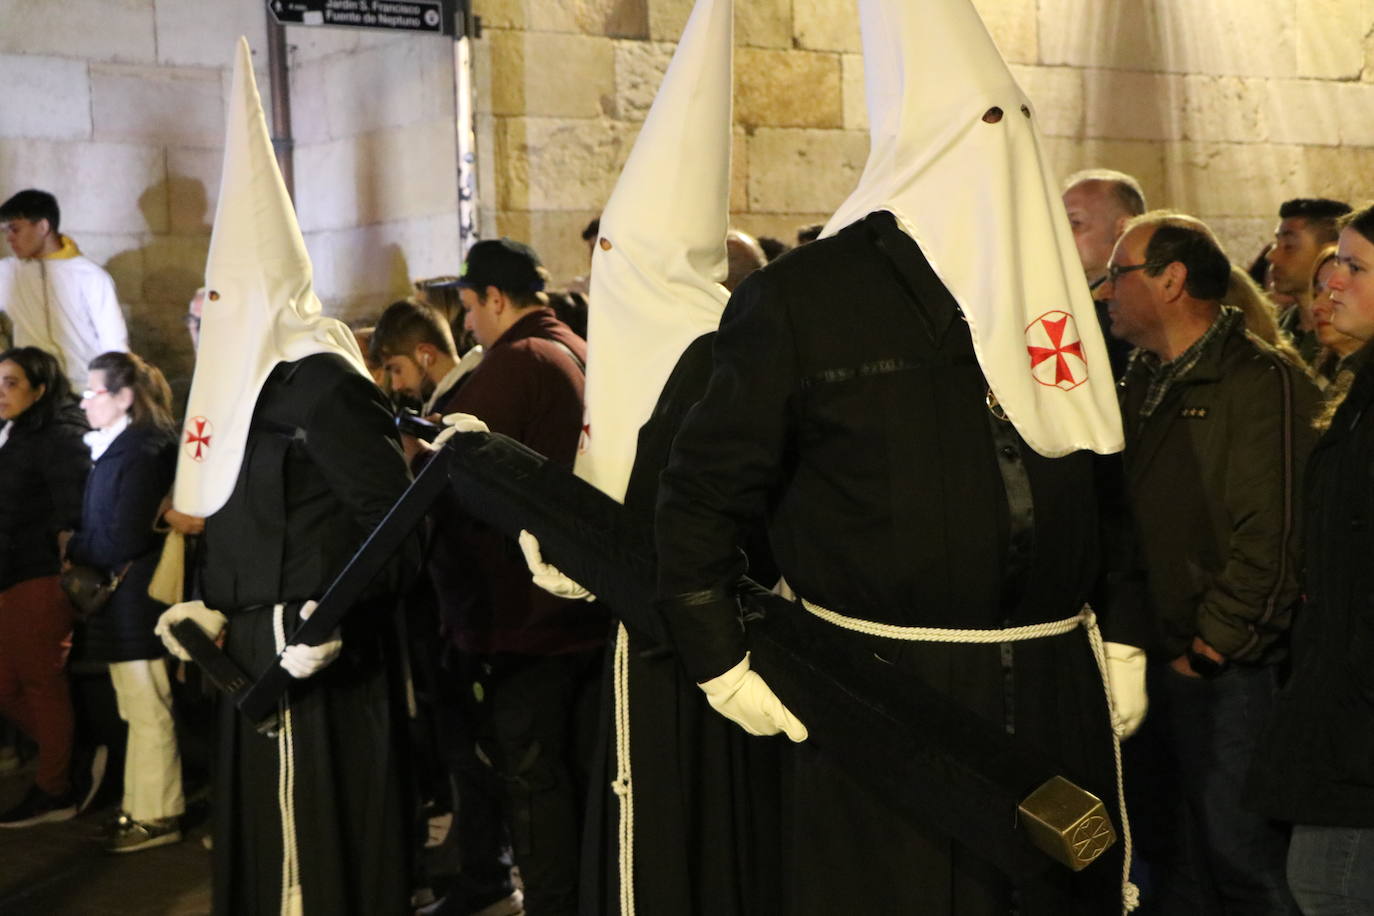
(550, 578)
(741, 696)
(212, 622)
(301, 661)
(1126, 678)
(458, 423)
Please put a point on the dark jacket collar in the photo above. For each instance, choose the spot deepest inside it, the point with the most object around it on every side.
(928, 295)
(134, 437)
(540, 322)
(69, 414)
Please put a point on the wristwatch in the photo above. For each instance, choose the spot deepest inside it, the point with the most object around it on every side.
(1204, 665)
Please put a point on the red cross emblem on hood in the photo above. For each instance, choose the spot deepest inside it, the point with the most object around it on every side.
(197, 442)
(1056, 351)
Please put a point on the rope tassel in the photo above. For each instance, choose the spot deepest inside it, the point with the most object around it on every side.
(622, 786)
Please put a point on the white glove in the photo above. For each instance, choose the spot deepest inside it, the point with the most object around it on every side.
(741, 696)
(1126, 678)
(212, 622)
(458, 423)
(550, 578)
(301, 661)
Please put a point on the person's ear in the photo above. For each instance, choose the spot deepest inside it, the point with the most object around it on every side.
(497, 299)
(1175, 279)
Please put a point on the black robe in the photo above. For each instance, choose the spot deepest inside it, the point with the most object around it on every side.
(847, 411)
(707, 836)
(321, 468)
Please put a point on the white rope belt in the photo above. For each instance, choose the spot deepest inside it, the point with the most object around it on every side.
(938, 634)
(1130, 894)
(622, 786)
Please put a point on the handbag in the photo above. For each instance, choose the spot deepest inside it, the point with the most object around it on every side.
(90, 589)
(168, 584)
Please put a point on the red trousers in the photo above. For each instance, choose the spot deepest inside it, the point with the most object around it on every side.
(35, 635)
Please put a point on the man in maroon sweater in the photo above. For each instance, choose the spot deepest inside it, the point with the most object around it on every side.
(531, 661)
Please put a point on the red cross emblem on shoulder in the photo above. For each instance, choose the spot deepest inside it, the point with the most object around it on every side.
(197, 442)
(1056, 351)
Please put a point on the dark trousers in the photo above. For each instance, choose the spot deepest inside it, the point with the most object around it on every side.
(536, 720)
(1200, 849)
(1331, 870)
(35, 635)
(479, 826)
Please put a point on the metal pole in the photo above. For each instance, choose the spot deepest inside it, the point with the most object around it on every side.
(466, 29)
(279, 81)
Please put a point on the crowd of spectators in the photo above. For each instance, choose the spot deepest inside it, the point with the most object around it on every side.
(1246, 506)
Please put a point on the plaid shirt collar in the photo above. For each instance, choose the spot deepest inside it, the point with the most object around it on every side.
(1164, 374)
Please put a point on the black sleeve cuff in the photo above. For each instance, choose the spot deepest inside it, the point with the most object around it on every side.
(706, 631)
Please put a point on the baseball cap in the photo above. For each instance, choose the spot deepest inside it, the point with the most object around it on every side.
(506, 264)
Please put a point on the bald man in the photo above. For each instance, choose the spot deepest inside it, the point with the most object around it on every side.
(1100, 202)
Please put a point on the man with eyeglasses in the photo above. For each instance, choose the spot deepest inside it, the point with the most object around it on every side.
(1218, 425)
(55, 298)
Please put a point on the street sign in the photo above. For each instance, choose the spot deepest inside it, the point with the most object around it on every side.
(435, 16)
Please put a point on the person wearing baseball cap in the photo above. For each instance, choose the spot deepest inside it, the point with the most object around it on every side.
(528, 662)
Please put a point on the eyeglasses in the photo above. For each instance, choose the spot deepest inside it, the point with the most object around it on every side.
(1114, 272)
(92, 394)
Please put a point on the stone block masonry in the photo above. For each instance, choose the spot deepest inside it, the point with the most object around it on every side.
(1222, 108)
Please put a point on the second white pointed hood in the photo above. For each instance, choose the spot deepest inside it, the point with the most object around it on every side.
(657, 267)
(260, 306)
(957, 158)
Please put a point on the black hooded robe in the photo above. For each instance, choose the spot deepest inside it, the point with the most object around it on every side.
(847, 412)
(706, 836)
(321, 468)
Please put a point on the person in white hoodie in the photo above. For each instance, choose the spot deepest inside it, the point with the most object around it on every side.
(56, 298)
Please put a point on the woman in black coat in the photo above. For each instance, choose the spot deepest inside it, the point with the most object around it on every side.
(1315, 765)
(43, 467)
(133, 443)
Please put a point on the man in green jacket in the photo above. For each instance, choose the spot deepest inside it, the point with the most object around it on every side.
(1218, 426)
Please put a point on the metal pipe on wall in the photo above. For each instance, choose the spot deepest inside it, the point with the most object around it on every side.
(279, 82)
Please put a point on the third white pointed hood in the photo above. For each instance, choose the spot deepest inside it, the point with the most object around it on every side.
(260, 306)
(657, 267)
(957, 158)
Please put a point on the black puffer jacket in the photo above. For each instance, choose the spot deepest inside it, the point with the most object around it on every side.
(123, 493)
(1315, 764)
(43, 470)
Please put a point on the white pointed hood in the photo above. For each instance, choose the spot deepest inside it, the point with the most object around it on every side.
(260, 308)
(656, 270)
(977, 195)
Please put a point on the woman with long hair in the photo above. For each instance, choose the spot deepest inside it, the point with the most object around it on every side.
(133, 442)
(43, 468)
(1335, 345)
(1315, 766)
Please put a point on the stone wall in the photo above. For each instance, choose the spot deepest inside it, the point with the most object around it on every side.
(1223, 108)
(375, 161)
(118, 107)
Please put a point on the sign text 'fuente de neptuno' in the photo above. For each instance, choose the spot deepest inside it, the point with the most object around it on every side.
(398, 15)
